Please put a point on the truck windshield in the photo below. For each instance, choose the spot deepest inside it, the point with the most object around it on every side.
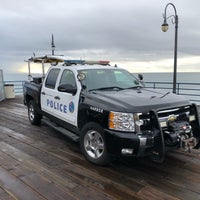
(108, 79)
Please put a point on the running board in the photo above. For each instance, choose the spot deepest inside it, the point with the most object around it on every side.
(62, 130)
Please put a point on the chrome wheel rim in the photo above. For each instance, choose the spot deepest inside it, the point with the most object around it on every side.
(31, 113)
(94, 144)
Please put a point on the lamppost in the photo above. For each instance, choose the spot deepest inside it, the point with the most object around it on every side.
(164, 29)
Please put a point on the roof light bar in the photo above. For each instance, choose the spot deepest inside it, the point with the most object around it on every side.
(88, 62)
(73, 62)
(93, 62)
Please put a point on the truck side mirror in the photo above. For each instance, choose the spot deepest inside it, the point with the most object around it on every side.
(140, 76)
(68, 88)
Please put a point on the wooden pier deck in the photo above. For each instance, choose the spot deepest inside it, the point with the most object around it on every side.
(37, 163)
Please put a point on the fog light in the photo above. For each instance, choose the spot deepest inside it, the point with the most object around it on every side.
(127, 151)
(192, 118)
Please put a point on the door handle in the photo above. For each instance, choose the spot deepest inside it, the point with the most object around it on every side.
(43, 93)
(57, 97)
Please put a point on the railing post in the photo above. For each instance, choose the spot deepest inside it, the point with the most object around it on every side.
(178, 88)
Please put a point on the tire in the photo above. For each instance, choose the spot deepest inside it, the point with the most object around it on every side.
(33, 116)
(93, 144)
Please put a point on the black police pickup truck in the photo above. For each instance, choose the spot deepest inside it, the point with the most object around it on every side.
(110, 112)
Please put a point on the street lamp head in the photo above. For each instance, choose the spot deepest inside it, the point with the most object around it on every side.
(164, 26)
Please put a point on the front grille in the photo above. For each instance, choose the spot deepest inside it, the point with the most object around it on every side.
(164, 116)
(177, 114)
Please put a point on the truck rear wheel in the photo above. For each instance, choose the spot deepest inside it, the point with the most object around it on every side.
(93, 144)
(33, 116)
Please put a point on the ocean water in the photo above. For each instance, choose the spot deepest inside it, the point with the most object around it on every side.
(15, 77)
(183, 77)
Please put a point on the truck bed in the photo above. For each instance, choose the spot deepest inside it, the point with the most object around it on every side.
(33, 89)
(36, 162)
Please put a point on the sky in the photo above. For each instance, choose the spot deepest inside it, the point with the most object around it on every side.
(128, 33)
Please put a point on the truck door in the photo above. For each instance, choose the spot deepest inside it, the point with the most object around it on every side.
(69, 102)
(62, 105)
(48, 91)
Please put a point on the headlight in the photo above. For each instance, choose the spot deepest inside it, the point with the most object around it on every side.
(121, 121)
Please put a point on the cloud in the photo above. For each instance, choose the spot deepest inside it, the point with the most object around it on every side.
(122, 31)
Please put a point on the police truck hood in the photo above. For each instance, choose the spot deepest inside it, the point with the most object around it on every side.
(136, 100)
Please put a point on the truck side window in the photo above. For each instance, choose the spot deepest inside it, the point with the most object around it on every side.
(51, 78)
(68, 78)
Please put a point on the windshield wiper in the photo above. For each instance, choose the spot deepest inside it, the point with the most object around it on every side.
(116, 88)
(164, 95)
(133, 87)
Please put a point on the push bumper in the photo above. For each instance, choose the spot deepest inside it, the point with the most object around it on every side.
(183, 133)
(128, 144)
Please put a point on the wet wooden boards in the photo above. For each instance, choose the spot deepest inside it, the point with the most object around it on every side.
(37, 163)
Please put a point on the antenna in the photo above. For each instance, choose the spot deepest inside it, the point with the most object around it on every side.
(52, 45)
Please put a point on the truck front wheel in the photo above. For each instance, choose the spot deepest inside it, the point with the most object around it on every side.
(33, 116)
(93, 144)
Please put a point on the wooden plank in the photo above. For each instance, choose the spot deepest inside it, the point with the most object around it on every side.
(16, 188)
(166, 179)
(46, 188)
(4, 195)
(45, 161)
(92, 179)
(149, 193)
(30, 166)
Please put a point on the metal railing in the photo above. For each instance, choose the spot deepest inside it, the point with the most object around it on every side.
(191, 90)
